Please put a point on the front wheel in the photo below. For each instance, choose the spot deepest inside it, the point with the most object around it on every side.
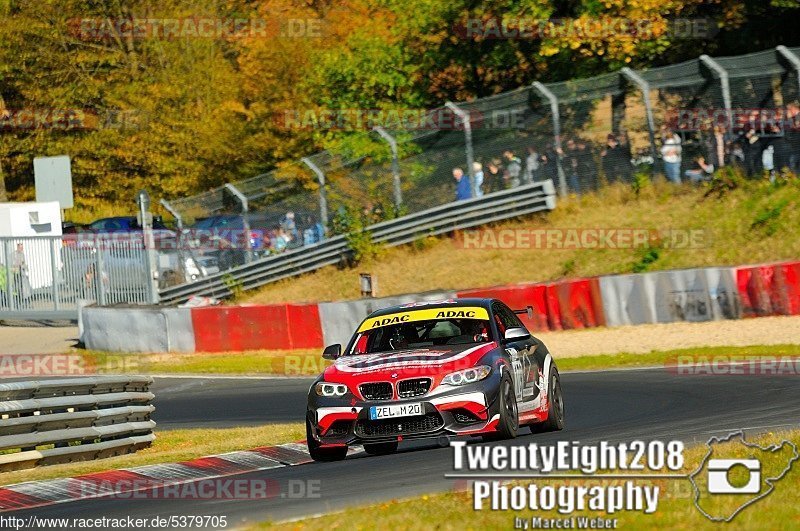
(508, 424)
(555, 402)
(320, 453)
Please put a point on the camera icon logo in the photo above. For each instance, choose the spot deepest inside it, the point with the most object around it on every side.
(719, 481)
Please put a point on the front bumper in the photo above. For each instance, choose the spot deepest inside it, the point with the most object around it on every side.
(463, 410)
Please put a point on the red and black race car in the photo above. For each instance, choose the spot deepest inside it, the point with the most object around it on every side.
(427, 370)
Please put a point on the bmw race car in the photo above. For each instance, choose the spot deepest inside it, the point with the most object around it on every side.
(433, 369)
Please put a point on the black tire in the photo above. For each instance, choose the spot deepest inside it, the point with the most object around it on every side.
(508, 426)
(336, 453)
(555, 400)
(381, 448)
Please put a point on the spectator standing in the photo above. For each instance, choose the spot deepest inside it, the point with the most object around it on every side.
(586, 165)
(717, 152)
(616, 160)
(671, 151)
(532, 164)
(289, 226)
(513, 168)
(477, 168)
(313, 231)
(702, 171)
(792, 135)
(569, 161)
(463, 188)
(493, 178)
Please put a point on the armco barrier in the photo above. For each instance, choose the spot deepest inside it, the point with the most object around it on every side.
(518, 297)
(770, 289)
(75, 419)
(670, 296)
(279, 326)
(137, 329)
(575, 304)
(704, 294)
(339, 319)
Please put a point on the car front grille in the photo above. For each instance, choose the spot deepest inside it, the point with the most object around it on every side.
(412, 388)
(376, 390)
(399, 426)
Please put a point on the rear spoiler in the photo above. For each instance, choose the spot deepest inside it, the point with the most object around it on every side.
(528, 310)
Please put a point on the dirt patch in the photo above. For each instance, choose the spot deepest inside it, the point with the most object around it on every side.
(645, 338)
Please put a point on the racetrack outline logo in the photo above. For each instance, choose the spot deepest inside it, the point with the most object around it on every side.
(767, 479)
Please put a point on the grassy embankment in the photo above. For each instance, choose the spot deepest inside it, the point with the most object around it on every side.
(755, 222)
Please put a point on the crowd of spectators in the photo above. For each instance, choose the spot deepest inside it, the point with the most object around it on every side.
(754, 150)
(577, 157)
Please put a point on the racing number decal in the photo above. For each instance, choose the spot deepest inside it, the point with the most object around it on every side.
(518, 370)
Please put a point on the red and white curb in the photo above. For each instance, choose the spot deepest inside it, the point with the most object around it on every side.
(34, 494)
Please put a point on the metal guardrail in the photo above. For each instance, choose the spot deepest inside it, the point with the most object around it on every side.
(77, 419)
(522, 200)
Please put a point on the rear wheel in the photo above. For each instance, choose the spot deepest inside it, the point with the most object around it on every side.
(508, 424)
(321, 453)
(555, 402)
(381, 448)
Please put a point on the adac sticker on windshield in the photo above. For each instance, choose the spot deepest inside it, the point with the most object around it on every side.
(464, 312)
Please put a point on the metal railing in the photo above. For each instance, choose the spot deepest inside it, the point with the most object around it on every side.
(498, 206)
(47, 277)
(59, 421)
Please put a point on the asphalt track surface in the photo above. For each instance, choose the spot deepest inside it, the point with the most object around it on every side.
(616, 406)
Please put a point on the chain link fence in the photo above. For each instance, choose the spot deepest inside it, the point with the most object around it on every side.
(682, 122)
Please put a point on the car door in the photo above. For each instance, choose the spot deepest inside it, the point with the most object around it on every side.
(522, 353)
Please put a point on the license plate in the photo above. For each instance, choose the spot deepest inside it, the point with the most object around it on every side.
(397, 410)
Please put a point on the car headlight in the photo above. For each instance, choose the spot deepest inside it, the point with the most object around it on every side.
(330, 389)
(467, 376)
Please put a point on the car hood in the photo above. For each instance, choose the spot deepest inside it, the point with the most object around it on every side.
(433, 362)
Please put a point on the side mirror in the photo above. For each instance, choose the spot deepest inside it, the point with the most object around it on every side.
(332, 352)
(516, 334)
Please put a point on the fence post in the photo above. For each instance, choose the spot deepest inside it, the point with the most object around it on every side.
(398, 193)
(464, 117)
(248, 255)
(56, 276)
(9, 277)
(323, 195)
(544, 91)
(644, 87)
(724, 85)
(793, 61)
(99, 269)
(143, 198)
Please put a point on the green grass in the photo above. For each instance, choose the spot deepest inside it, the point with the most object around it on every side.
(169, 447)
(661, 357)
(454, 510)
(755, 222)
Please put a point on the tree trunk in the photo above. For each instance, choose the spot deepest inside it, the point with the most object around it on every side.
(3, 194)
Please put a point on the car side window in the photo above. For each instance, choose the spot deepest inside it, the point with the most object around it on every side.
(508, 317)
(500, 319)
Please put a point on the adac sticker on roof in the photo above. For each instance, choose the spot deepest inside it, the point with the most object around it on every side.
(461, 312)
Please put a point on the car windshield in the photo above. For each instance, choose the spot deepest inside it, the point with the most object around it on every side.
(422, 334)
